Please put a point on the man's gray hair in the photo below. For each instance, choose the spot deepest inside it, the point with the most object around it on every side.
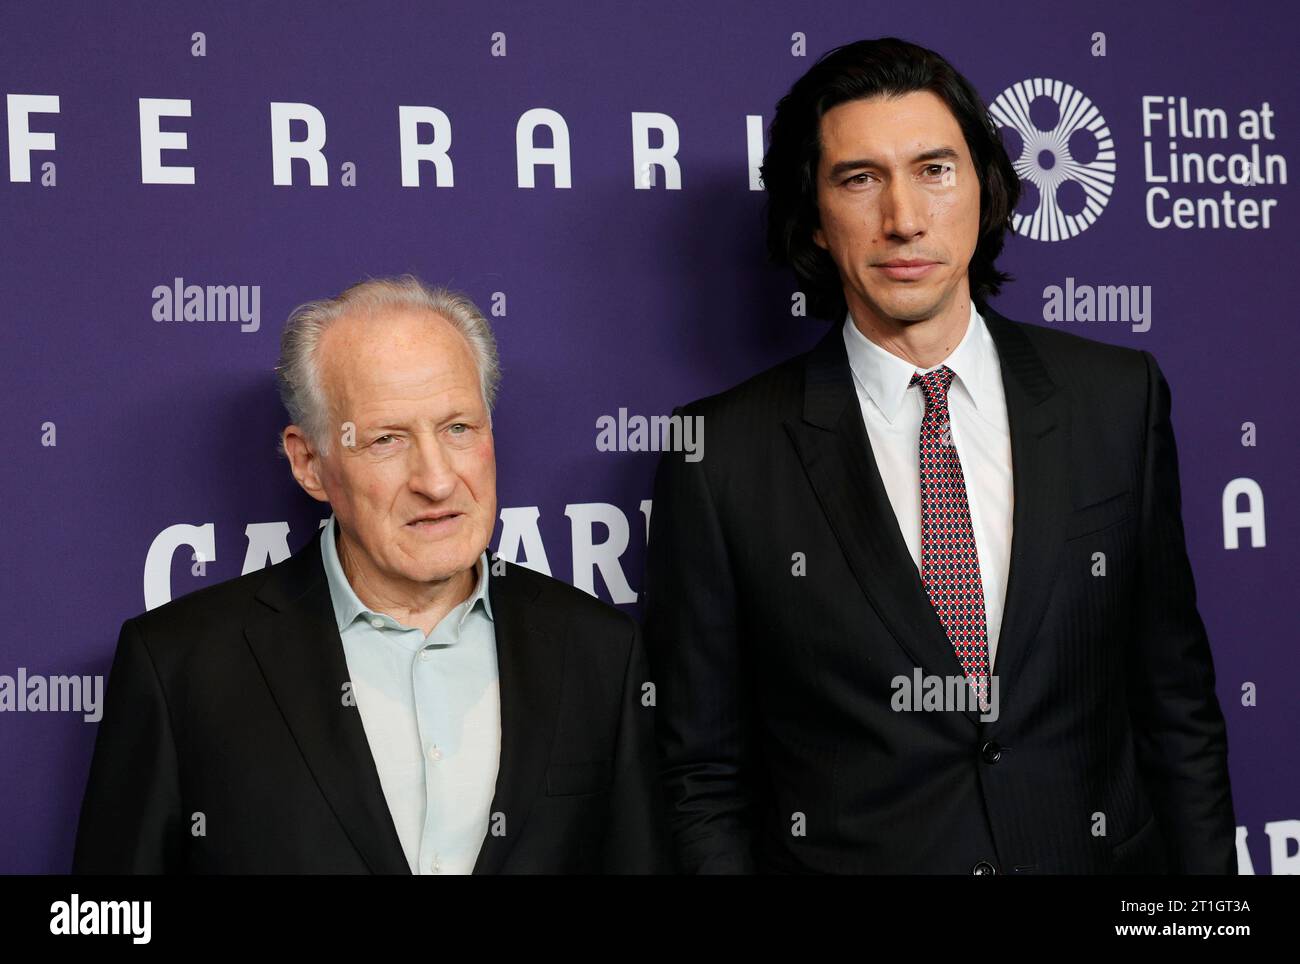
(297, 375)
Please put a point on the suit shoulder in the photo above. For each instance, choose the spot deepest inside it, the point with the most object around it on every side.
(215, 605)
(1064, 349)
(745, 420)
(779, 385)
(577, 606)
(1108, 384)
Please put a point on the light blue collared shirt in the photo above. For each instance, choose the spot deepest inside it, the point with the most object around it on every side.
(431, 709)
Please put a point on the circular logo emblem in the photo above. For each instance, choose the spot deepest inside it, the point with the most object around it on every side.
(1068, 160)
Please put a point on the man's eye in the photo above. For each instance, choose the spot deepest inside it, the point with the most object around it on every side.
(858, 178)
(460, 425)
(936, 170)
(382, 439)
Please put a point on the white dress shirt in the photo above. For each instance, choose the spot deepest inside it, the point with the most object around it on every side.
(977, 408)
(431, 710)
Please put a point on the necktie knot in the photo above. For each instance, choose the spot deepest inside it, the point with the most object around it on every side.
(934, 385)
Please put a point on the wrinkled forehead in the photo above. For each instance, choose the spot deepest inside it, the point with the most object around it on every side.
(370, 355)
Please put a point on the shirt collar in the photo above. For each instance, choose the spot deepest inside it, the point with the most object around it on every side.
(886, 378)
(348, 606)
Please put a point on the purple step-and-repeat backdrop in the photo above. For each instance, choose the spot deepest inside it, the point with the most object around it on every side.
(180, 176)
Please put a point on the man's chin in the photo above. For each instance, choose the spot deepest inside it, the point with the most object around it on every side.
(425, 563)
(912, 306)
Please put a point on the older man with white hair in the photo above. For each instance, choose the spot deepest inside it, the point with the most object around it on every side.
(390, 699)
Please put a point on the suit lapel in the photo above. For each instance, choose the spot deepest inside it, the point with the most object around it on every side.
(832, 443)
(296, 642)
(530, 662)
(833, 446)
(1039, 424)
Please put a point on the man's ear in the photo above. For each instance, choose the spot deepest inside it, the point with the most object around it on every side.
(304, 462)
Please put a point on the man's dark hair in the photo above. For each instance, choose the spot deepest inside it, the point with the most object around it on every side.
(869, 68)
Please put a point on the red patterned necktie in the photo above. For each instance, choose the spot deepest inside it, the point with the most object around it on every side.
(950, 566)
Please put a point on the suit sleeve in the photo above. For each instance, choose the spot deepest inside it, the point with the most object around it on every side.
(131, 820)
(1181, 739)
(694, 647)
(638, 839)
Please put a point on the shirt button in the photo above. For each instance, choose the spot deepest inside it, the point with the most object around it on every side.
(435, 754)
(435, 865)
(426, 654)
(376, 622)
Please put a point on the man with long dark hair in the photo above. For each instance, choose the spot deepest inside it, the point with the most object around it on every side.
(926, 605)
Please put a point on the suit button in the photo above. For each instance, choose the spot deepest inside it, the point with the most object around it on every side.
(983, 869)
(991, 752)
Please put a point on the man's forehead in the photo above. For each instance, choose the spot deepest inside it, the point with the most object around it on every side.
(407, 390)
(916, 120)
(402, 351)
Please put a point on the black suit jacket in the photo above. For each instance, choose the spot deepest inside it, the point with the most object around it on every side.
(229, 703)
(781, 749)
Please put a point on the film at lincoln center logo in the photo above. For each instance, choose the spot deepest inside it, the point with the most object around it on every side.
(1067, 157)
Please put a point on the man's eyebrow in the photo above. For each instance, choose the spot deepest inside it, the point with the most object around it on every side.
(459, 415)
(383, 422)
(934, 154)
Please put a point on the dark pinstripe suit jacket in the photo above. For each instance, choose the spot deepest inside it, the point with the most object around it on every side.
(781, 750)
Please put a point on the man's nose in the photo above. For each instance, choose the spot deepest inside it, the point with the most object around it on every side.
(904, 210)
(431, 472)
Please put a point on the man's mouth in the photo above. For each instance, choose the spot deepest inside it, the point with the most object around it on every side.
(907, 269)
(433, 521)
